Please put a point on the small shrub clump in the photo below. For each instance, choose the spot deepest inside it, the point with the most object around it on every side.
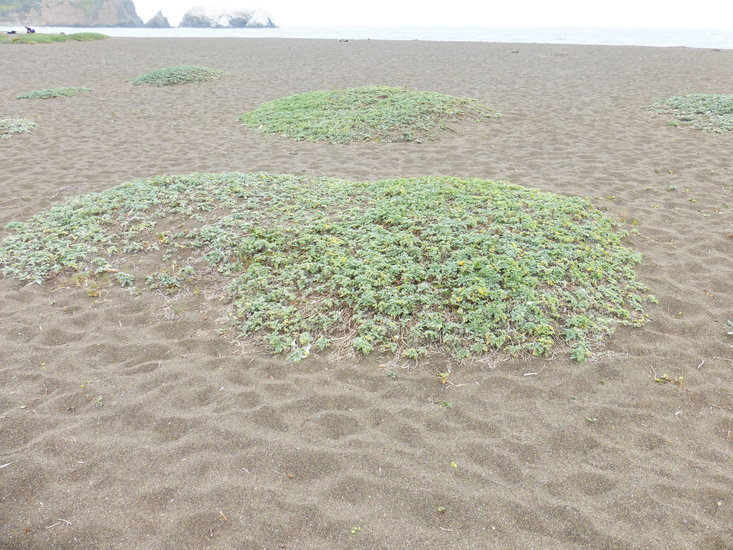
(406, 266)
(49, 93)
(181, 74)
(707, 112)
(370, 113)
(9, 126)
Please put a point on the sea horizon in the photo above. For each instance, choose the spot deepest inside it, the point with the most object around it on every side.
(611, 36)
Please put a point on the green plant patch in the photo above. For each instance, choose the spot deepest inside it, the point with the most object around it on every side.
(370, 113)
(708, 112)
(9, 126)
(49, 93)
(406, 266)
(181, 74)
(43, 38)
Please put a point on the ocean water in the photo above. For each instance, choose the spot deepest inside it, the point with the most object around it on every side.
(691, 38)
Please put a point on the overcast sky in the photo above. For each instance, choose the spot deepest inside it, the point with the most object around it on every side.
(712, 14)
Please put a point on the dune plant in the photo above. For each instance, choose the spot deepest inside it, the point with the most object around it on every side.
(46, 38)
(10, 126)
(369, 113)
(708, 112)
(49, 93)
(406, 266)
(180, 74)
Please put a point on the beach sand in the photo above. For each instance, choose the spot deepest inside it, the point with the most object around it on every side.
(201, 443)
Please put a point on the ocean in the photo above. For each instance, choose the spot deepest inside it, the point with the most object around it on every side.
(691, 38)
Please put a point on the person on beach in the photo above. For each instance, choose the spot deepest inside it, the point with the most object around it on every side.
(28, 30)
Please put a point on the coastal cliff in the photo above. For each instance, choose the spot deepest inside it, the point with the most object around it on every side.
(70, 13)
(158, 21)
(216, 17)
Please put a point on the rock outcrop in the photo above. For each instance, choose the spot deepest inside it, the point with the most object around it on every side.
(158, 21)
(70, 13)
(212, 17)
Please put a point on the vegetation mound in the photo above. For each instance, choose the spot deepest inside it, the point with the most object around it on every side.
(43, 38)
(48, 93)
(370, 113)
(180, 74)
(708, 112)
(407, 266)
(10, 126)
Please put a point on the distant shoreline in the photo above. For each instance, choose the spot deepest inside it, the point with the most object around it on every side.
(691, 38)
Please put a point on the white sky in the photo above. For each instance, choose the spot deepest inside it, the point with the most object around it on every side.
(712, 14)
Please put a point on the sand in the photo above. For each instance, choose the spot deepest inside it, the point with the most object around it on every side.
(202, 443)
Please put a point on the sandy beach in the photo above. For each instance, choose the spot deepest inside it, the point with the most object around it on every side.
(130, 422)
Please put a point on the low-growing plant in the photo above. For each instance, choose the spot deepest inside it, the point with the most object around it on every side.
(708, 112)
(46, 38)
(369, 113)
(180, 74)
(125, 279)
(666, 379)
(9, 126)
(405, 266)
(67, 91)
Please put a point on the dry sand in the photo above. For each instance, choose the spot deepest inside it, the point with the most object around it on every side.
(204, 444)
